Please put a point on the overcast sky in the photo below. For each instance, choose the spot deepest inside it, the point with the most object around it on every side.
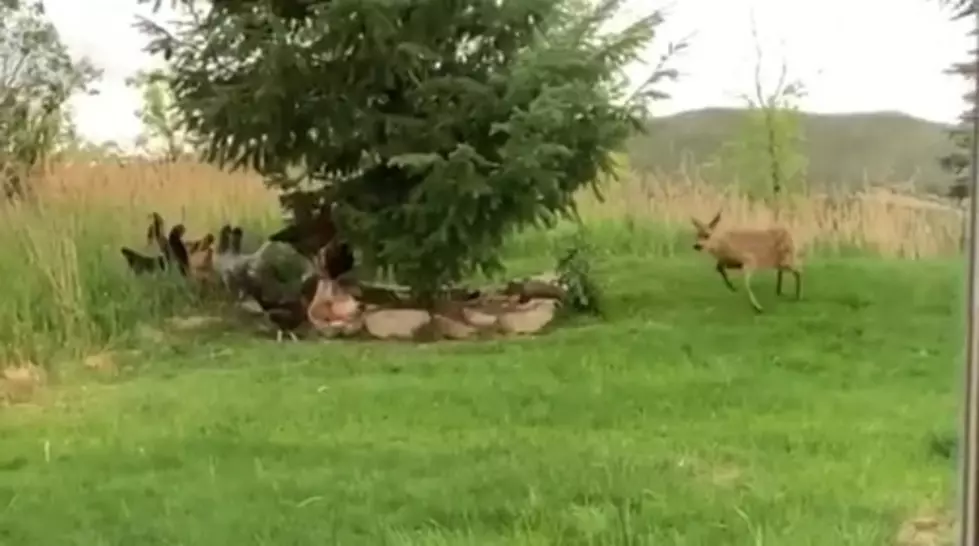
(853, 55)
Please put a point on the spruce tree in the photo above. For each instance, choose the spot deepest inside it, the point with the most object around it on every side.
(438, 127)
(957, 163)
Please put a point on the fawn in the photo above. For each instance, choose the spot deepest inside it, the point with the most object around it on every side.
(750, 250)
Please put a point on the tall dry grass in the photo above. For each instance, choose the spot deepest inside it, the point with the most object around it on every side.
(66, 289)
(876, 221)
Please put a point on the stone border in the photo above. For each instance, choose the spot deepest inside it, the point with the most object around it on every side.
(521, 307)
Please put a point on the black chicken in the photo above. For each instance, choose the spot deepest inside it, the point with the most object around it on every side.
(287, 314)
(339, 259)
(154, 232)
(176, 249)
(310, 236)
(140, 264)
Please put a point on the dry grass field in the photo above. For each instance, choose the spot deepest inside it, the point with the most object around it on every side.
(682, 419)
(69, 288)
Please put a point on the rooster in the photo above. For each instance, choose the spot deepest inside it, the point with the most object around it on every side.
(286, 313)
(307, 236)
(273, 268)
(310, 236)
(338, 259)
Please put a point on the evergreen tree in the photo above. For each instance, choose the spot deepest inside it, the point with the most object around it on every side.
(438, 127)
(963, 8)
(958, 162)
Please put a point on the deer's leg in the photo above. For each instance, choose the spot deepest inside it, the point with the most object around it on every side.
(723, 271)
(778, 282)
(751, 294)
(798, 283)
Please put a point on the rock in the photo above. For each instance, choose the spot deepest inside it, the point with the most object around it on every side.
(528, 318)
(351, 327)
(332, 307)
(450, 328)
(395, 323)
(478, 317)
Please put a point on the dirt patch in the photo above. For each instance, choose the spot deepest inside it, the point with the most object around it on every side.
(20, 384)
(194, 323)
(150, 334)
(724, 475)
(928, 528)
(102, 363)
(108, 363)
(716, 474)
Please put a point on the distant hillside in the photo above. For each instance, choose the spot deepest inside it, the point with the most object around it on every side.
(843, 149)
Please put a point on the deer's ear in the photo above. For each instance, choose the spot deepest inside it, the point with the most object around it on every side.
(713, 223)
(697, 224)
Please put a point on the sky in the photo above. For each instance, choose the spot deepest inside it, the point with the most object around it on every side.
(852, 55)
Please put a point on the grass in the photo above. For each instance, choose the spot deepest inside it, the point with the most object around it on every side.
(67, 290)
(684, 419)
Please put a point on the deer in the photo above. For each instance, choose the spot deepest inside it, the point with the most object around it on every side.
(749, 250)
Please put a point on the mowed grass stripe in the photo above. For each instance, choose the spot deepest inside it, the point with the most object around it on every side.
(683, 419)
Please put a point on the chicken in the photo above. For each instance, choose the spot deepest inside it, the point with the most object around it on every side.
(154, 233)
(200, 258)
(338, 259)
(227, 259)
(320, 301)
(274, 268)
(307, 236)
(310, 236)
(177, 250)
(287, 313)
(140, 264)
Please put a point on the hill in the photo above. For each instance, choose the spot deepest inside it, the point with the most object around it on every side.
(843, 149)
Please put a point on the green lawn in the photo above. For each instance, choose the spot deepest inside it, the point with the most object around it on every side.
(683, 420)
